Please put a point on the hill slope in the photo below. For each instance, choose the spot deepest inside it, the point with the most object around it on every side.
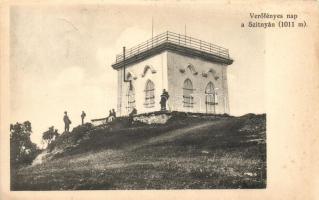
(186, 152)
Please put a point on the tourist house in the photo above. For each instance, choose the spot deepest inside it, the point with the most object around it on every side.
(194, 73)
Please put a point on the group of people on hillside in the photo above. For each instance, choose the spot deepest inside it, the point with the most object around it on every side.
(112, 113)
(67, 120)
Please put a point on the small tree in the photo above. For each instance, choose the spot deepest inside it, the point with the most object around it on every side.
(22, 150)
(50, 135)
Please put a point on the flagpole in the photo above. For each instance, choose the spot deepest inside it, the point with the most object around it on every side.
(152, 28)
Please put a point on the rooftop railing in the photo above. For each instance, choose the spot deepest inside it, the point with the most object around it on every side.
(178, 39)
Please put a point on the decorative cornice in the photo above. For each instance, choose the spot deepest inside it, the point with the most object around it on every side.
(146, 68)
(130, 74)
(191, 68)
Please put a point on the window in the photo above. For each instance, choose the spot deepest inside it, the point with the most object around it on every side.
(211, 98)
(149, 94)
(188, 99)
(130, 98)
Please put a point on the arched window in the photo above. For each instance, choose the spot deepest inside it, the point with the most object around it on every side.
(130, 98)
(149, 94)
(211, 98)
(188, 99)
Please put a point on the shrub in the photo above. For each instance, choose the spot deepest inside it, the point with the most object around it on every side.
(50, 135)
(22, 150)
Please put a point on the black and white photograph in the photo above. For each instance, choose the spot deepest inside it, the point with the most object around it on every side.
(150, 100)
(159, 97)
(135, 97)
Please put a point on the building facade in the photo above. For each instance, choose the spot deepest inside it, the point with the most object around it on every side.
(193, 72)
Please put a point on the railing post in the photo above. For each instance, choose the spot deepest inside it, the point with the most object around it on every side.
(200, 44)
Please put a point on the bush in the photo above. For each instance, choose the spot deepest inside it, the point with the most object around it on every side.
(22, 150)
(68, 139)
(50, 135)
(81, 130)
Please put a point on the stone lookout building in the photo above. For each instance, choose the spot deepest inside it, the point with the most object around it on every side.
(193, 72)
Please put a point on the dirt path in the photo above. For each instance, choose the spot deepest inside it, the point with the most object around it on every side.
(172, 135)
(114, 156)
(168, 136)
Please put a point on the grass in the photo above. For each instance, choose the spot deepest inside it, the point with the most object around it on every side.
(186, 153)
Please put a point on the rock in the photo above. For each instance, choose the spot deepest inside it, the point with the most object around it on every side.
(250, 174)
(153, 119)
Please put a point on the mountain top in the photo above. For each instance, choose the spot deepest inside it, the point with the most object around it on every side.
(188, 151)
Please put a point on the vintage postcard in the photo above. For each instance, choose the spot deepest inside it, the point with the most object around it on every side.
(158, 99)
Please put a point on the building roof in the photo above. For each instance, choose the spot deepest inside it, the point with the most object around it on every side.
(178, 43)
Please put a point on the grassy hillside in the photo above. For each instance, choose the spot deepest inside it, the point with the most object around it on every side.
(195, 152)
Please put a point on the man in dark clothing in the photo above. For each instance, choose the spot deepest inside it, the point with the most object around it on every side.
(83, 115)
(131, 114)
(113, 113)
(67, 122)
(164, 98)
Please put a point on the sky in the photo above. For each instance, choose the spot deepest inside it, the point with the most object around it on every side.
(60, 57)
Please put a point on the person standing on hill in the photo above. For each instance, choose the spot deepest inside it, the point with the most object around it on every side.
(113, 113)
(164, 98)
(67, 122)
(83, 115)
(131, 115)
